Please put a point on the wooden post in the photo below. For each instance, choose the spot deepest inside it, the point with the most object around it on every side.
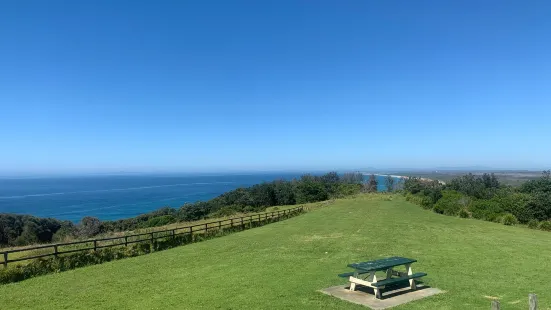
(231, 222)
(151, 238)
(125, 240)
(5, 259)
(219, 225)
(495, 304)
(206, 228)
(173, 233)
(532, 302)
(55, 250)
(95, 245)
(242, 223)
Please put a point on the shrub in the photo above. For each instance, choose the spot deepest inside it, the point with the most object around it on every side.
(488, 210)
(344, 190)
(515, 203)
(418, 200)
(450, 203)
(89, 227)
(427, 203)
(463, 213)
(533, 224)
(509, 219)
(225, 211)
(158, 221)
(545, 225)
(310, 189)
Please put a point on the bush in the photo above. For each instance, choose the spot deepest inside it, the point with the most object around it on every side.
(89, 227)
(344, 190)
(310, 189)
(463, 213)
(450, 203)
(488, 210)
(545, 225)
(533, 224)
(509, 219)
(515, 203)
(158, 221)
(427, 203)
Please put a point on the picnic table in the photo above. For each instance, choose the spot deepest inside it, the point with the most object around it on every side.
(364, 273)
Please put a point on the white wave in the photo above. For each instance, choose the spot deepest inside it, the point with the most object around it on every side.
(109, 190)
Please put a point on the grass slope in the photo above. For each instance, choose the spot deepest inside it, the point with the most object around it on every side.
(282, 265)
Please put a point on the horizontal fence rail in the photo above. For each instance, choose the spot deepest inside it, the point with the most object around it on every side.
(95, 244)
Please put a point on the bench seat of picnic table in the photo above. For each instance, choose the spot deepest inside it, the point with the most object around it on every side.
(398, 280)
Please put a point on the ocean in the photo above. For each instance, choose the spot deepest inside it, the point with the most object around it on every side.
(116, 197)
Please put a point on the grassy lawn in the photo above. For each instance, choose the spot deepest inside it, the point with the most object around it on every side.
(282, 265)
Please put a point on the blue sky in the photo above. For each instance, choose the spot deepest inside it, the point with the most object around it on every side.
(99, 86)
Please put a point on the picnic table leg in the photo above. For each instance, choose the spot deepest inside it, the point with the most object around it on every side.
(352, 284)
(389, 273)
(411, 281)
(377, 292)
(373, 278)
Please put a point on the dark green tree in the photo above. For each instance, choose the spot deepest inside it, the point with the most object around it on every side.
(310, 189)
(284, 194)
(389, 183)
(371, 185)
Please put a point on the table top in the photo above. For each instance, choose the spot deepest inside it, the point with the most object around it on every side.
(382, 264)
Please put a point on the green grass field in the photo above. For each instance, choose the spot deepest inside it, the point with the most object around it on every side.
(282, 265)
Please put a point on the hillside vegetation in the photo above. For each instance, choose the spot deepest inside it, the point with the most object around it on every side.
(485, 197)
(19, 230)
(282, 265)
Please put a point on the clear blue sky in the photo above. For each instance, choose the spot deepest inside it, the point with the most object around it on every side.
(98, 86)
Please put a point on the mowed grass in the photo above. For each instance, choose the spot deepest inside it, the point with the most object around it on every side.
(284, 264)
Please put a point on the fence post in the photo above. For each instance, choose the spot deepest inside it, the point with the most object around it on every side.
(95, 245)
(151, 238)
(206, 228)
(125, 240)
(495, 304)
(532, 302)
(5, 259)
(242, 227)
(173, 233)
(55, 250)
(231, 222)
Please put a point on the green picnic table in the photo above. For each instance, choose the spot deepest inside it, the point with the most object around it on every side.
(364, 274)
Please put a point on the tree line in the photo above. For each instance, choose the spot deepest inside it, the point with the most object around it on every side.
(485, 197)
(25, 229)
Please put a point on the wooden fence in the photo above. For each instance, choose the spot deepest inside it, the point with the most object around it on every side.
(532, 303)
(95, 244)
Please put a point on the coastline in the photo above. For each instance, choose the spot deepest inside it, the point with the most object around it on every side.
(404, 177)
